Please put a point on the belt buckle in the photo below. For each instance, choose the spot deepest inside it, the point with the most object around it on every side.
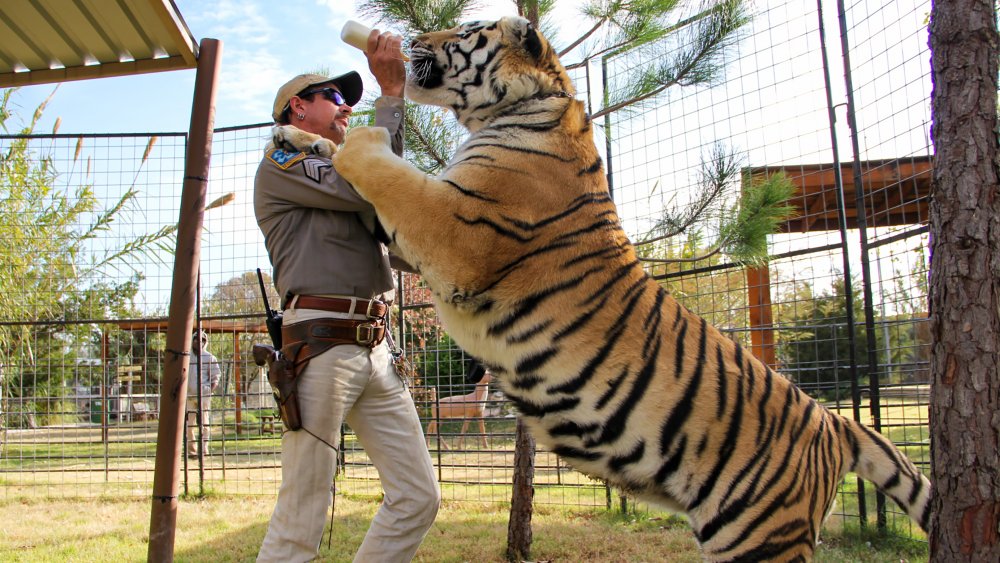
(371, 304)
(367, 327)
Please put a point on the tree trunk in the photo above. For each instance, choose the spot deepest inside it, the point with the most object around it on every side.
(965, 283)
(528, 10)
(519, 525)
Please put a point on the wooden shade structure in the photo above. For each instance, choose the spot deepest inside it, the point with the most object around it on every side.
(895, 192)
(214, 326)
(235, 327)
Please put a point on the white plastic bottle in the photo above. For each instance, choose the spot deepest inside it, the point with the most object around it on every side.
(356, 35)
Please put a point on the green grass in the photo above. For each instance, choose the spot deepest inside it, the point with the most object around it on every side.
(82, 447)
(853, 544)
(472, 523)
(227, 528)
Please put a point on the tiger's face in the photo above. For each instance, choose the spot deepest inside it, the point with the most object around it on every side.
(480, 68)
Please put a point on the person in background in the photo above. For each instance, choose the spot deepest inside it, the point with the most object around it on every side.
(208, 380)
(335, 280)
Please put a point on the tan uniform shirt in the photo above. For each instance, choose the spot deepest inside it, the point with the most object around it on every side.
(317, 229)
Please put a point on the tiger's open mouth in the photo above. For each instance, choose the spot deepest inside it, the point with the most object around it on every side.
(424, 70)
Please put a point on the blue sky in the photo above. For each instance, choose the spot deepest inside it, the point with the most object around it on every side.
(264, 43)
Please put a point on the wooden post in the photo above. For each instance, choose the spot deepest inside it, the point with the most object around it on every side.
(522, 496)
(105, 396)
(761, 322)
(237, 395)
(166, 475)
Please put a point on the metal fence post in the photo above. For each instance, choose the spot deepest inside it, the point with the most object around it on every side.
(866, 278)
(844, 250)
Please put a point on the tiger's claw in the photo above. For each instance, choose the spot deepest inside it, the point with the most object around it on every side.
(291, 138)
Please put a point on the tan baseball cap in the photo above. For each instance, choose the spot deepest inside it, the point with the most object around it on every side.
(349, 84)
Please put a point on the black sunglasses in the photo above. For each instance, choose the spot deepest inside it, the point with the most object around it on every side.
(328, 93)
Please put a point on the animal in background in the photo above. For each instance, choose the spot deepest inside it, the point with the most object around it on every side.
(467, 407)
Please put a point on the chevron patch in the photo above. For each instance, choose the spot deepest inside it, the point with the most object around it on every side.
(314, 167)
(284, 159)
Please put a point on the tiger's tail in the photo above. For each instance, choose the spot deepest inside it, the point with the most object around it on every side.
(878, 460)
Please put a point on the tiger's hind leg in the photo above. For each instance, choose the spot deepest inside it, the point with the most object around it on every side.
(779, 520)
(793, 541)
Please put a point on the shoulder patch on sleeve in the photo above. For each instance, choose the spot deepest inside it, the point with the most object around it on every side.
(284, 159)
(314, 168)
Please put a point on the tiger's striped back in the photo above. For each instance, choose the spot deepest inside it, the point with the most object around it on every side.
(531, 272)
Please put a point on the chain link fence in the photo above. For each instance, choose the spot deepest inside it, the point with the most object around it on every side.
(838, 102)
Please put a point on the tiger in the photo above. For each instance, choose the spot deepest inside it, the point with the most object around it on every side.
(532, 273)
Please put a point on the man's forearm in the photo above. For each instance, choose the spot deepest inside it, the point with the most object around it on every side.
(390, 113)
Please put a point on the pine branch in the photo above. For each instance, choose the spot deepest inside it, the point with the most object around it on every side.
(714, 31)
(705, 256)
(717, 175)
(431, 137)
(615, 47)
(630, 101)
(744, 227)
(536, 12)
(597, 26)
(528, 9)
(428, 148)
(762, 208)
(417, 16)
(638, 22)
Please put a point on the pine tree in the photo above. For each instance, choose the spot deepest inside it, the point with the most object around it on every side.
(965, 283)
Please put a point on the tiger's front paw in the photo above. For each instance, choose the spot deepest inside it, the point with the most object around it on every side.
(291, 138)
(364, 145)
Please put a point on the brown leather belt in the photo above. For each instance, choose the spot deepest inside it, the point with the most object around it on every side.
(323, 333)
(304, 341)
(373, 309)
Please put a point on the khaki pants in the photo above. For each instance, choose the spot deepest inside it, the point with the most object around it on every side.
(191, 424)
(360, 386)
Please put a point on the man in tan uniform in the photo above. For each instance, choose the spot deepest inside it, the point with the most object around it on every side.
(334, 278)
(204, 383)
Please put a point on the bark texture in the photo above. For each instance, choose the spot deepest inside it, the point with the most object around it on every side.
(965, 283)
(521, 508)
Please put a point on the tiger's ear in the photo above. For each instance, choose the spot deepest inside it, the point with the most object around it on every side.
(525, 34)
(533, 42)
